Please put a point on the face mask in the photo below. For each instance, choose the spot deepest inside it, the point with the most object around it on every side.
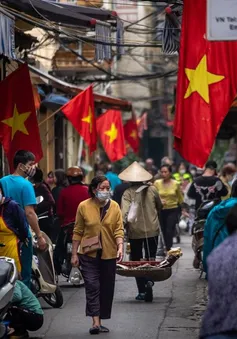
(182, 171)
(193, 172)
(0, 197)
(30, 171)
(102, 196)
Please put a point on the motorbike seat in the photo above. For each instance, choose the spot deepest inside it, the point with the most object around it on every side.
(5, 272)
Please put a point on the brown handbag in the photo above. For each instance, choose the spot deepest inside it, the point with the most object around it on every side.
(91, 245)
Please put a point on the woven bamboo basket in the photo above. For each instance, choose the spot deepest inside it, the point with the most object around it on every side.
(155, 273)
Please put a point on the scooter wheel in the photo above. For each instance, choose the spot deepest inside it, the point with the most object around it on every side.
(54, 299)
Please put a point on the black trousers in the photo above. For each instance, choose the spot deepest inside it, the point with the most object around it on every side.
(99, 277)
(168, 219)
(150, 247)
(46, 225)
(21, 319)
(60, 251)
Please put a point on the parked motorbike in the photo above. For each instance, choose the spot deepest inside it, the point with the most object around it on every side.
(43, 278)
(73, 275)
(198, 231)
(8, 277)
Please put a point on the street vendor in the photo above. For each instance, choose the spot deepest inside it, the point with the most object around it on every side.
(144, 230)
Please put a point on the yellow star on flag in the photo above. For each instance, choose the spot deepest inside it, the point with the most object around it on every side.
(200, 79)
(112, 133)
(89, 119)
(134, 134)
(17, 122)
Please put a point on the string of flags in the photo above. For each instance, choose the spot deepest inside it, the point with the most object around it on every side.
(19, 126)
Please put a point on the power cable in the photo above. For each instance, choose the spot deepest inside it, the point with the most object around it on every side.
(80, 38)
(112, 77)
(133, 77)
(136, 22)
(126, 21)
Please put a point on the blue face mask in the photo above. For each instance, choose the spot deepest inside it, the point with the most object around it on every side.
(103, 196)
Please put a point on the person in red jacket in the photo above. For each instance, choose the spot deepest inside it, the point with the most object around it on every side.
(69, 199)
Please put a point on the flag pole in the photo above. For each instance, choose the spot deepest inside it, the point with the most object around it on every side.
(80, 149)
(50, 116)
(55, 112)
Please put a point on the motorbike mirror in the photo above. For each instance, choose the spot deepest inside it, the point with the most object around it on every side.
(39, 199)
(208, 205)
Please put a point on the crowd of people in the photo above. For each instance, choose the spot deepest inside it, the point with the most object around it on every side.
(142, 201)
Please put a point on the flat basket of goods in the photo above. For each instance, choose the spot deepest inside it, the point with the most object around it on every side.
(154, 270)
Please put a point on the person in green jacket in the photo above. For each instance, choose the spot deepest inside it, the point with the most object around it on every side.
(182, 170)
(25, 313)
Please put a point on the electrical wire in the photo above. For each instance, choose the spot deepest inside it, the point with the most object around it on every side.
(133, 77)
(124, 4)
(111, 76)
(133, 23)
(126, 21)
(28, 19)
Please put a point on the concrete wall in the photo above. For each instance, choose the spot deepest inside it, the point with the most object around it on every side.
(133, 62)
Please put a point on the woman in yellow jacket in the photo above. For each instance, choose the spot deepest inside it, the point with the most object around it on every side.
(171, 198)
(99, 232)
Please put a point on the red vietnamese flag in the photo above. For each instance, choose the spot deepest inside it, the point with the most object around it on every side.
(80, 112)
(207, 85)
(110, 129)
(18, 122)
(131, 134)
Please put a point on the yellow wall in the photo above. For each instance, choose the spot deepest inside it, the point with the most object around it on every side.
(47, 140)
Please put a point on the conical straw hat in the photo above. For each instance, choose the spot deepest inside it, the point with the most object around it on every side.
(135, 173)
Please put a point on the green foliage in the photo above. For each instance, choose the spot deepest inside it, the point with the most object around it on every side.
(218, 151)
(120, 165)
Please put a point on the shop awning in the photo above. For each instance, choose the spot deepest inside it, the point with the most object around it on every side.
(96, 13)
(102, 101)
(50, 11)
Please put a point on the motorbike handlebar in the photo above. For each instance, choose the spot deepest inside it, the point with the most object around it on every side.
(71, 224)
(15, 274)
(42, 214)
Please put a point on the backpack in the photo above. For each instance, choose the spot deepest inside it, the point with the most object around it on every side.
(133, 209)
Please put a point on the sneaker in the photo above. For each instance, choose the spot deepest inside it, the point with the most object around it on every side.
(149, 291)
(140, 297)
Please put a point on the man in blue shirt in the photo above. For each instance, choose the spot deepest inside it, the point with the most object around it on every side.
(112, 177)
(21, 190)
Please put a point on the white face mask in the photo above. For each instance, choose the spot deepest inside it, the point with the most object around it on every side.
(182, 171)
(103, 196)
(1, 197)
(29, 171)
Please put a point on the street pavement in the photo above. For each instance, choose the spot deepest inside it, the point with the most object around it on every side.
(175, 313)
